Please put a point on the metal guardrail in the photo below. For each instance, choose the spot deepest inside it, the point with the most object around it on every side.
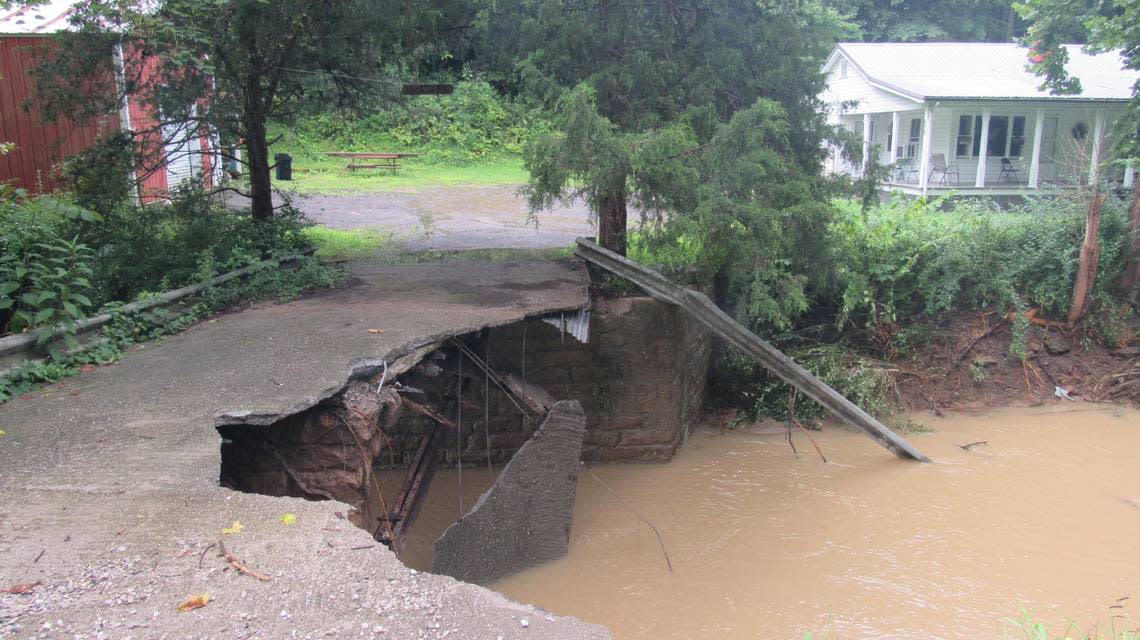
(24, 344)
(704, 311)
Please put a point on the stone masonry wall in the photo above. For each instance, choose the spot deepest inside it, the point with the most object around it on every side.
(641, 378)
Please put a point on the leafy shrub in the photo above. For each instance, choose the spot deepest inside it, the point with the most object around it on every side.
(473, 123)
(100, 178)
(45, 276)
(862, 380)
(906, 260)
(161, 246)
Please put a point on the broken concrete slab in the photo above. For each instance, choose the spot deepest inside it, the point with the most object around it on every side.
(524, 519)
(109, 495)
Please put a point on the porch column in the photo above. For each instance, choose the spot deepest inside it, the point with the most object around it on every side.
(895, 122)
(1097, 139)
(1035, 154)
(983, 148)
(866, 142)
(924, 166)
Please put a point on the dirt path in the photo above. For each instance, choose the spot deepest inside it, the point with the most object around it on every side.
(453, 218)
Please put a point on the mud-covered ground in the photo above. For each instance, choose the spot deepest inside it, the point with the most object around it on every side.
(967, 365)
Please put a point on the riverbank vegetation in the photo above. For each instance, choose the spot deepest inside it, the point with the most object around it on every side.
(897, 284)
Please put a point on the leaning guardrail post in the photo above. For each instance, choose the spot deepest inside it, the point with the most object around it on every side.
(704, 311)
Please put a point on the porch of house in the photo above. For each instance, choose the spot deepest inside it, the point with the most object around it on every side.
(974, 148)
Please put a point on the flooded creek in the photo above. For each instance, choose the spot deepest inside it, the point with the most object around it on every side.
(1044, 517)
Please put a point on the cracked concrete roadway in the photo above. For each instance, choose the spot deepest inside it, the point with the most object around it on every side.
(108, 481)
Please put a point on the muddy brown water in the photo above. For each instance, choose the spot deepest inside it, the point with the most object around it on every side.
(1045, 518)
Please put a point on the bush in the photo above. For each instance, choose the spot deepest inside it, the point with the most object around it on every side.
(45, 273)
(862, 380)
(474, 123)
(906, 260)
(162, 246)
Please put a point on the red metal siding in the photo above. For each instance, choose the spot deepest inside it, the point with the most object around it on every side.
(40, 145)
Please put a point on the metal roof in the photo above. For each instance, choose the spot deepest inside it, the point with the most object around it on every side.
(40, 18)
(958, 70)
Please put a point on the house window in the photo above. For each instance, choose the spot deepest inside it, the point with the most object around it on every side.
(999, 136)
(1017, 136)
(914, 138)
(842, 68)
(1006, 136)
(965, 139)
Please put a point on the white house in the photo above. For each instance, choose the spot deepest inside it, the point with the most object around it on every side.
(970, 118)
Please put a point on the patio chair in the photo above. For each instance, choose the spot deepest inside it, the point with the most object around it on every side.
(938, 165)
(905, 171)
(1009, 170)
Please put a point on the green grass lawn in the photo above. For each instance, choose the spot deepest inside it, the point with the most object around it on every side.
(319, 175)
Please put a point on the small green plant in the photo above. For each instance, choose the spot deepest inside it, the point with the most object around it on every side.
(45, 278)
(978, 372)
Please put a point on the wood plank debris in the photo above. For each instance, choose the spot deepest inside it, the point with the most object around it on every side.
(415, 489)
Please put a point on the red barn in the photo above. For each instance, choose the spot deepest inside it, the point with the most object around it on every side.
(40, 145)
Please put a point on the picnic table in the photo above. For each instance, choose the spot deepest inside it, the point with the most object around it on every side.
(371, 159)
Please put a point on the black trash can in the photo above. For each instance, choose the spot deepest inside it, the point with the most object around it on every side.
(284, 166)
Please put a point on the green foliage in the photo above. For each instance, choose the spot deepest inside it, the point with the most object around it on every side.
(128, 328)
(908, 260)
(638, 88)
(473, 124)
(922, 20)
(161, 246)
(756, 220)
(864, 381)
(1025, 625)
(45, 275)
(1104, 26)
(100, 178)
(240, 63)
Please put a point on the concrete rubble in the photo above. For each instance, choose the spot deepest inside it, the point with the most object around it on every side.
(524, 519)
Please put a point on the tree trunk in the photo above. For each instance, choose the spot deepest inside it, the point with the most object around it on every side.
(257, 147)
(1132, 276)
(260, 187)
(612, 223)
(1090, 257)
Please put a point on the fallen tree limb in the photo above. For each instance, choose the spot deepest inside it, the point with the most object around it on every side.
(429, 412)
(813, 443)
(978, 338)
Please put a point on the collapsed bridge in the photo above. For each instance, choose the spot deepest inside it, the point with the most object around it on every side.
(600, 380)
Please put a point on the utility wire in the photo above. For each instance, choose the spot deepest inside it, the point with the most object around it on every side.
(660, 541)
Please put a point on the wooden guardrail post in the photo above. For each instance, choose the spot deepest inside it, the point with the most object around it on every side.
(704, 311)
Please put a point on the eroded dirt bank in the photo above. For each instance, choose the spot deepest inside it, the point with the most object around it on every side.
(972, 361)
